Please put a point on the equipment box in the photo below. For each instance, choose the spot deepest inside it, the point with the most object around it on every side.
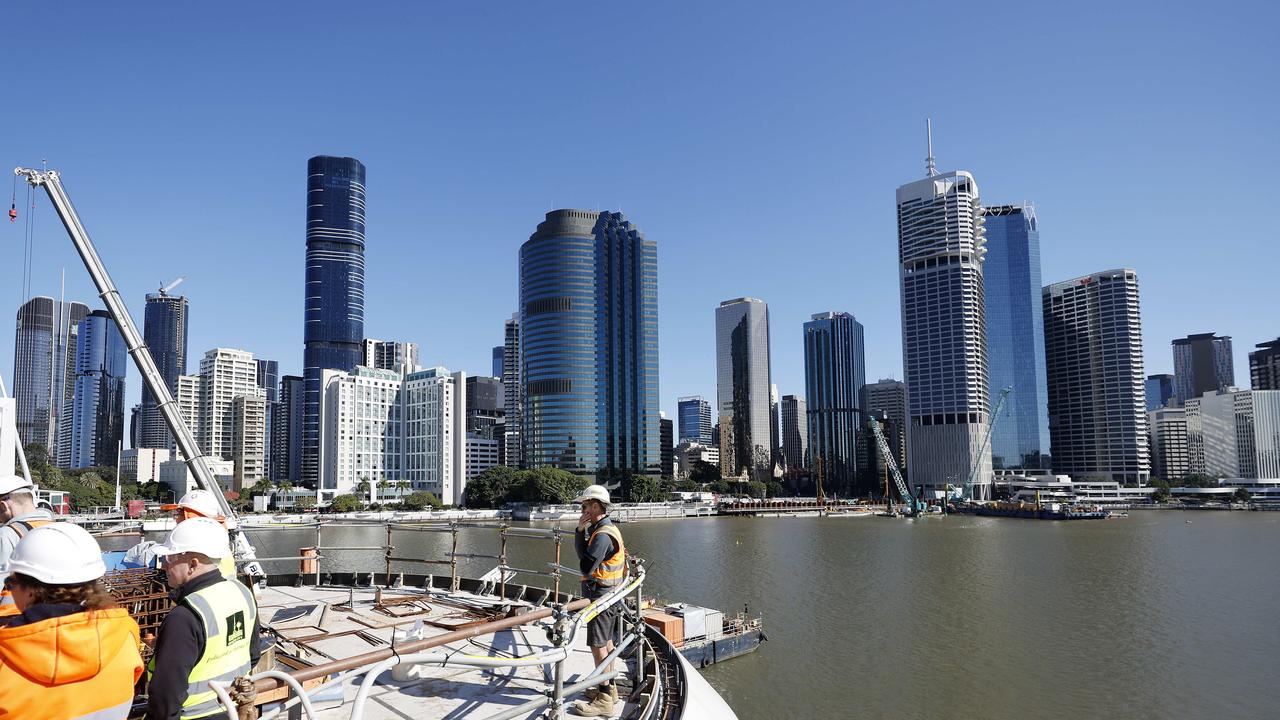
(671, 627)
(695, 619)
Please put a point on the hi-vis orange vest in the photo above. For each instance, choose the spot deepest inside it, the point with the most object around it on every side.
(82, 665)
(21, 527)
(613, 570)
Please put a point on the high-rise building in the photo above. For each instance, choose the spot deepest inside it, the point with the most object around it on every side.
(1015, 337)
(97, 419)
(499, 361)
(286, 431)
(435, 435)
(334, 293)
(188, 399)
(362, 418)
(269, 381)
(694, 419)
(1159, 391)
(1170, 453)
(886, 401)
(1093, 354)
(1264, 366)
(742, 388)
(589, 344)
(226, 374)
(482, 454)
(944, 339)
(775, 430)
(834, 373)
(1234, 434)
(164, 330)
(390, 355)
(795, 435)
(513, 391)
(44, 368)
(666, 445)
(1201, 363)
(485, 408)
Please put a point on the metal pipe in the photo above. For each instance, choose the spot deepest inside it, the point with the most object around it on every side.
(536, 703)
(374, 656)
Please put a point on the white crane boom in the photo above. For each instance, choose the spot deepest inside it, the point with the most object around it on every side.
(165, 289)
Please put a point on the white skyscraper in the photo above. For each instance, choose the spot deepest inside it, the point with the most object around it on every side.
(361, 433)
(225, 376)
(944, 338)
(436, 433)
(1235, 434)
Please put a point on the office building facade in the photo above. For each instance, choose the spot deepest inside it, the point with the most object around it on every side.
(795, 435)
(44, 368)
(498, 361)
(513, 392)
(286, 431)
(1097, 400)
(834, 373)
(1015, 337)
(1170, 449)
(1234, 434)
(225, 375)
(666, 447)
(1158, 390)
(742, 389)
(1264, 366)
(1201, 363)
(164, 330)
(334, 293)
(694, 419)
(589, 345)
(390, 355)
(941, 246)
(887, 404)
(97, 419)
(363, 430)
(435, 435)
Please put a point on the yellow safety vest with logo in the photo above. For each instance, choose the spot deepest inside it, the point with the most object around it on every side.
(227, 566)
(228, 613)
(613, 570)
(21, 527)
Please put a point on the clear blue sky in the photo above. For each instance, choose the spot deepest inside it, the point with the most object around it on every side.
(759, 145)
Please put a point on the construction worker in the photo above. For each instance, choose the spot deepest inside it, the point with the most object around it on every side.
(210, 634)
(71, 652)
(202, 503)
(602, 560)
(20, 516)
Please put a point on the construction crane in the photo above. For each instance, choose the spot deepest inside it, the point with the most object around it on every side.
(52, 183)
(914, 504)
(164, 289)
(966, 493)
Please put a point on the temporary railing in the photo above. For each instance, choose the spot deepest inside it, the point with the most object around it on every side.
(567, 620)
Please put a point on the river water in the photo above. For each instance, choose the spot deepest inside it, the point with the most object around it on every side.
(1161, 615)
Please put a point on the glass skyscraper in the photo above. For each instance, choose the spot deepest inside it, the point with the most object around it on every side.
(944, 337)
(589, 344)
(834, 374)
(742, 389)
(694, 419)
(164, 329)
(1159, 391)
(1015, 337)
(44, 367)
(334, 295)
(97, 421)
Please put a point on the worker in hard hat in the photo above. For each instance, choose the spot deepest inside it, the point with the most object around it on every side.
(71, 652)
(19, 515)
(202, 503)
(212, 631)
(602, 560)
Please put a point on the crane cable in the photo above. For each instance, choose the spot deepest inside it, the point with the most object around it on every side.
(29, 244)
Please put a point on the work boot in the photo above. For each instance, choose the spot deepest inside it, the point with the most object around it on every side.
(608, 688)
(601, 706)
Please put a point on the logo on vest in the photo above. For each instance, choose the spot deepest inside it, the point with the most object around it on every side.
(235, 627)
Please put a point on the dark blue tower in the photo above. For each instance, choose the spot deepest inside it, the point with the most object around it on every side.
(834, 374)
(589, 344)
(334, 294)
(164, 329)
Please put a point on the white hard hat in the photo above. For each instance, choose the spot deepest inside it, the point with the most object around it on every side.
(58, 554)
(199, 535)
(201, 501)
(13, 483)
(594, 492)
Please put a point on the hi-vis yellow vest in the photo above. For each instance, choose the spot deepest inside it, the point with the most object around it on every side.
(613, 570)
(228, 613)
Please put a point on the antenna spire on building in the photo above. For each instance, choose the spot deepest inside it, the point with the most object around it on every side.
(930, 168)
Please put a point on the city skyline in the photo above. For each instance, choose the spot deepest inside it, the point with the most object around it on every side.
(431, 192)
